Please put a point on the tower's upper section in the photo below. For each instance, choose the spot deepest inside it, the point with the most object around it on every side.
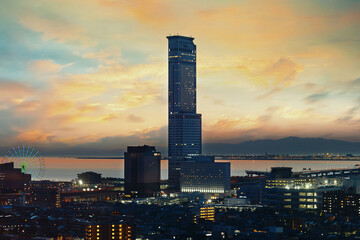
(182, 49)
(182, 75)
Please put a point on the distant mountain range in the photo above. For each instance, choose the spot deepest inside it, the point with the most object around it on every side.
(289, 145)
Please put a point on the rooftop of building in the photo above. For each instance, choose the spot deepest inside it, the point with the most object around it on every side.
(141, 148)
(179, 36)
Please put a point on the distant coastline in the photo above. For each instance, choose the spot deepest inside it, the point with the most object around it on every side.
(293, 160)
(256, 158)
(101, 157)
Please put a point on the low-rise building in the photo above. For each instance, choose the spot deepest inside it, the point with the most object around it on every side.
(109, 231)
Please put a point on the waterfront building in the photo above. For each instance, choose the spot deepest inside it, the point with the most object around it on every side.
(89, 178)
(184, 136)
(142, 171)
(109, 231)
(281, 191)
(205, 177)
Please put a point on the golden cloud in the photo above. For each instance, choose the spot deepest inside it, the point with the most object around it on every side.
(80, 88)
(142, 93)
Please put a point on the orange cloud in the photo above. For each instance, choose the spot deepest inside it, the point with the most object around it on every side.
(45, 66)
(34, 136)
(27, 106)
(59, 107)
(228, 125)
(89, 108)
(14, 92)
(264, 23)
(262, 72)
(281, 72)
(152, 12)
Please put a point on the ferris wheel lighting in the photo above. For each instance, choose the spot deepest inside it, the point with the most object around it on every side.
(29, 160)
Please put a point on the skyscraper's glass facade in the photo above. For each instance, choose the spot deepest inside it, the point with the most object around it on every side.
(184, 122)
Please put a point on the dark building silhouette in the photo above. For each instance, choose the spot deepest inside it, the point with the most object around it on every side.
(184, 123)
(90, 178)
(12, 180)
(142, 171)
(281, 172)
(43, 193)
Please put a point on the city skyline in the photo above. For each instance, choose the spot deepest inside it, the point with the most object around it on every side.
(96, 75)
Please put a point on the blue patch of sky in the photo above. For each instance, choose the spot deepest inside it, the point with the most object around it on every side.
(135, 56)
(19, 46)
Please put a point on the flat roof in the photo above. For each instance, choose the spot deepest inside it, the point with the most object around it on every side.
(179, 36)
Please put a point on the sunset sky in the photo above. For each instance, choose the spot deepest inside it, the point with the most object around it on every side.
(93, 74)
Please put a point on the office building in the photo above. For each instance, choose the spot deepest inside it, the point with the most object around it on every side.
(283, 191)
(142, 171)
(341, 203)
(205, 177)
(184, 139)
(109, 231)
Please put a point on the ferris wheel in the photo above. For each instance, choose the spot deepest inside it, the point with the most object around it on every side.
(28, 159)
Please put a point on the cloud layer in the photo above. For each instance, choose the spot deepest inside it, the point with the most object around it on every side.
(93, 72)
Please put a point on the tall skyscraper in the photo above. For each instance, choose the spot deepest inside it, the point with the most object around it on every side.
(184, 123)
(142, 171)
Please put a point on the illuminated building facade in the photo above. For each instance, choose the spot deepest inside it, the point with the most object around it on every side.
(207, 213)
(109, 231)
(142, 171)
(297, 193)
(205, 177)
(341, 203)
(184, 139)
